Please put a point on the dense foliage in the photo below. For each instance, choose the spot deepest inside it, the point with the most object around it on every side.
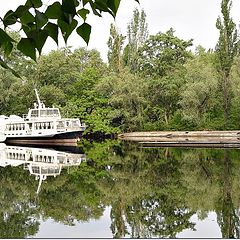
(151, 82)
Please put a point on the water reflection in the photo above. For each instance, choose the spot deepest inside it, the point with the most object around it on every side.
(139, 193)
(40, 162)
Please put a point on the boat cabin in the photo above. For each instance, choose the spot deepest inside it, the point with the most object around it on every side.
(38, 113)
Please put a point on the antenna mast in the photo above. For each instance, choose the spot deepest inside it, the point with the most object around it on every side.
(38, 99)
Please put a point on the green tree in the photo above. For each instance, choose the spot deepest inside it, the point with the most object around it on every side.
(226, 49)
(163, 101)
(137, 34)
(235, 77)
(16, 95)
(199, 92)
(161, 62)
(163, 53)
(115, 47)
(124, 94)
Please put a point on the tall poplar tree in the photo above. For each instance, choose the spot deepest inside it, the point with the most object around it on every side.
(226, 49)
(115, 46)
(137, 34)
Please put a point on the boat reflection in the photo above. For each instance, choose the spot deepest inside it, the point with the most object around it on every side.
(40, 162)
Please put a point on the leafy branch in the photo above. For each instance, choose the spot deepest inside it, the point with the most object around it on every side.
(62, 17)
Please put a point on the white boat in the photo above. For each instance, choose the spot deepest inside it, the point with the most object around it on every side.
(41, 163)
(42, 125)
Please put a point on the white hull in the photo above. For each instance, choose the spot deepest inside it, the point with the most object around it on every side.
(2, 138)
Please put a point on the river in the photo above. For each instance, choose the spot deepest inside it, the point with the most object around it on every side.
(116, 189)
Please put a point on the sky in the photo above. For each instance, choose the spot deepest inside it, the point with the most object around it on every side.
(191, 19)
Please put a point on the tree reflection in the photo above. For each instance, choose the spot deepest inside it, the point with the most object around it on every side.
(147, 196)
(228, 214)
(158, 216)
(213, 181)
(18, 213)
(152, 192)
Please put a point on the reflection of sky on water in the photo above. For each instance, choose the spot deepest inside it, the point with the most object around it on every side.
(46, 160)
(207, 228)
(93, 229)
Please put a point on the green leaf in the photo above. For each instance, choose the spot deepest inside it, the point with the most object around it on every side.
(21, 10)
(34, 3)
(101, 5)
(27, 18)
(39, 38)
(52, 31)
(68, 6)
(4, 65)
(27, 47)
(54, 11)
(76, 3)
(66, 28)
(85, 2)
(94, 8)
(41, 19)
(84, 31)
(9, 18)
(83, 13)
(42, 37)
(28, 28)
(113, 5)
(7, 48)
(4, 37)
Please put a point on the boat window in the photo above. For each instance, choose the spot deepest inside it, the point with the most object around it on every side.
(35, 169)
(49, 113)
(55, 112)
(43, 113)
(34, 113)
(60, 125)
(75, 123)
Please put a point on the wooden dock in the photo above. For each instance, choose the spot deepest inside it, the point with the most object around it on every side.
(184, 138)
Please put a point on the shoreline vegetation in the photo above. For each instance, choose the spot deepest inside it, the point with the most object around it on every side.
(151, 82)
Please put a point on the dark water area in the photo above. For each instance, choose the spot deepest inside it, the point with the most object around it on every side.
(115, 189)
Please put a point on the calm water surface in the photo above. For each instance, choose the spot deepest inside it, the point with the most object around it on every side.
(116, 189)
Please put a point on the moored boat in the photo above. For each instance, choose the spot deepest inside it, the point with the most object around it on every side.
(42, 125)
